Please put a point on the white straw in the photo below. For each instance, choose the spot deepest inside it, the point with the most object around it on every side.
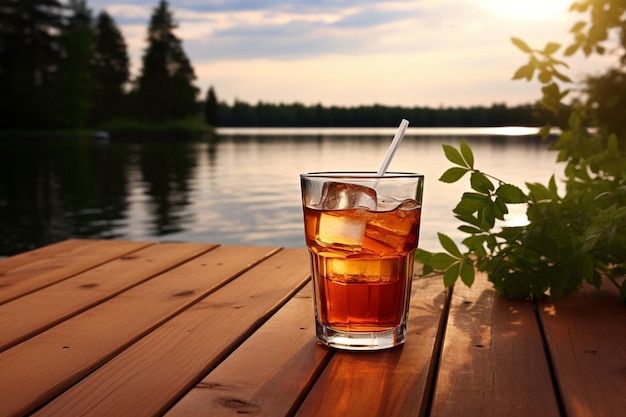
(393, 147)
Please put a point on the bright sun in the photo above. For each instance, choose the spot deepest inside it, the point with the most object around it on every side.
(527, 9)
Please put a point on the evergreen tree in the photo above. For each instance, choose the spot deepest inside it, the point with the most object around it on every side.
(211, 108)
(30, 51)
(165, 87)
(110, 69)
(76, 83)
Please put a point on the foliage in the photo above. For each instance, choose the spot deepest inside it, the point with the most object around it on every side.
(211, 107)
(30, 41)
(75, 82)
(262, 114)
(61, 70)
(177, 130)
(570, 238)
(111, 70)
(165, 88)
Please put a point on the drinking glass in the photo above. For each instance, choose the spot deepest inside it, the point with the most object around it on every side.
(361, 231)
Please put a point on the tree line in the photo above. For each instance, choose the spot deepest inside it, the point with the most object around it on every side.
(61, 67)
(242, 114)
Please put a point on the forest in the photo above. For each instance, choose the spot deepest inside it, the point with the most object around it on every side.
(64, 67)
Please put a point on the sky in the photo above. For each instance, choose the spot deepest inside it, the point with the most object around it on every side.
(434, 53)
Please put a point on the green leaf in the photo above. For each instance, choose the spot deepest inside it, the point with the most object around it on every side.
(467, 153)
(426, 269)
(562, 77)
(511, 194)
(545, 77)
(525, 71)
(469, 218)
(467, 273)
(553, 189)
(469, 229)
(551, 48)
(449, 245)
(471, 203)
(476, 244)
(571, 50)
(451, 274)
(552, 91)
(545, 131)
(538, 192)
(454, 155)
(422, 255)
(489, 212)
(501, 208)
(578, 26)
(453, 174)
(441, 261)
(521, 45)
(481, 183)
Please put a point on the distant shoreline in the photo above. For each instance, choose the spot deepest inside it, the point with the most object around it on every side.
(383, 131)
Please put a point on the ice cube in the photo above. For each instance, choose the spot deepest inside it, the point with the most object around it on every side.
(342, 196)
(396, 228)
(341, 229)
(354, 270)
(335, 229)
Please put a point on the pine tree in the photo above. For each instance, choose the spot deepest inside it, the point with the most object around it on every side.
(30, 52)
(110, 68)
(76, 83)
(165, 87)
(211, 108)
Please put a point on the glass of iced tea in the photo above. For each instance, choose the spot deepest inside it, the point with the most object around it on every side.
(361, 231)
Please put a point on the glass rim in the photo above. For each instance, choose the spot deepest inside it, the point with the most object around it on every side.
(360, 174)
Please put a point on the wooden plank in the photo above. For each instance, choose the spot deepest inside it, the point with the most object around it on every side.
(38, 369)
(586, 336)
(394, 382)
(493, 361)
(21, 259)
(165, 364)
(268, 374)
(30, 271)
(51, 305)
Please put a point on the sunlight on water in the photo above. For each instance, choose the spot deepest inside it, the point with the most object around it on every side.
(251, 194)
(243, 190)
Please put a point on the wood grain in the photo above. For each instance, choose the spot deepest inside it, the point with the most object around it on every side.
(165, 364)
(37, 311)
(493, 362)
(394, 382)
(42, 267)
(115, 328)
(586, 335)
(43, 366)
(268, 374)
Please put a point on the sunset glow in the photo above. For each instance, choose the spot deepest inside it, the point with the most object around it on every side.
(425, 53)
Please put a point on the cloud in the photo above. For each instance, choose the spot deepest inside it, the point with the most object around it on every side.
(410, 52)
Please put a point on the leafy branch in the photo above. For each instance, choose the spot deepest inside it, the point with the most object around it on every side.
(567, 240)
(571, 238)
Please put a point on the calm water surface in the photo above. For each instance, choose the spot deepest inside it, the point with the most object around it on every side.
(244, 189)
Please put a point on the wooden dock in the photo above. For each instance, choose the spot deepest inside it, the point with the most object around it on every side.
(121, 328)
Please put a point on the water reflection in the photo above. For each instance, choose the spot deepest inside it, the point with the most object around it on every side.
(49, 191)
(166, 171)
(241, 190)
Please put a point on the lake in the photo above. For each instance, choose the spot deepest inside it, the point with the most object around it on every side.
(243, 189)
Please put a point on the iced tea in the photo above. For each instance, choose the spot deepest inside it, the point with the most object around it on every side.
(362, 249)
